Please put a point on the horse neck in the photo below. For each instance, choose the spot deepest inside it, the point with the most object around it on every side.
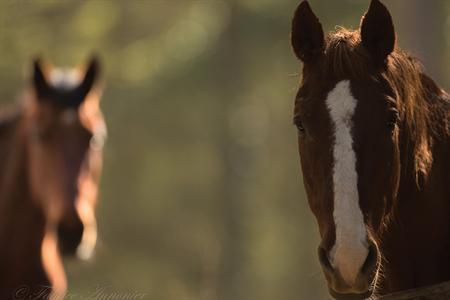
(14, 174)
(22, 222)
(418, 240)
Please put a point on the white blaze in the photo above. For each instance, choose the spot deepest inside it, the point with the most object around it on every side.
(350, 249)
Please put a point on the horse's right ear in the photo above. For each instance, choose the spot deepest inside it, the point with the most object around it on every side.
(90, 77)
(377, 31)
(307, 36)
(39, 80)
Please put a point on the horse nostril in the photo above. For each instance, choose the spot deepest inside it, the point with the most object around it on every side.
(371, 261)
(324, 259)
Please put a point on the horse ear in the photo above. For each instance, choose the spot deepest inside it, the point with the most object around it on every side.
(307, 36)
(39, 79)
(377, 31)
(90, 77)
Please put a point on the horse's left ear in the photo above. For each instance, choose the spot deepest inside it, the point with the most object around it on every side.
(39, 79)
(307, 36)
(90, 77)
(377, 31)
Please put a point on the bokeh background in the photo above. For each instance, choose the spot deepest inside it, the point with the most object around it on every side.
(201, 196)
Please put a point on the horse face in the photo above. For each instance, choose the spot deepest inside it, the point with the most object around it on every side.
(348, 144)
(60, 155)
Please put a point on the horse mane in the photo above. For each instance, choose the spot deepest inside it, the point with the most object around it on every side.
(423, 106)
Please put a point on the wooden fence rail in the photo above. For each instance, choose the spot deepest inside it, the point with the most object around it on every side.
(436, 292)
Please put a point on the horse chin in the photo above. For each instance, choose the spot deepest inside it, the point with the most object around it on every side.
(354, 293)
(356, 296)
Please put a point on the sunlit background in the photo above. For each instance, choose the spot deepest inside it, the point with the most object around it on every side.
(202, 195)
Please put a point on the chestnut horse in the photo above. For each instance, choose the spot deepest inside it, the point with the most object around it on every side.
(51, 158)
(373, 136)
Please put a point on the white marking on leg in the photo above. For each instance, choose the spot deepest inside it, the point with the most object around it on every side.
(351, 248)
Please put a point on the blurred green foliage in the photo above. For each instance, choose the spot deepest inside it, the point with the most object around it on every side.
(202, 195)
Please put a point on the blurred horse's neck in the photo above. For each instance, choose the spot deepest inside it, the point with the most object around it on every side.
(22, 222)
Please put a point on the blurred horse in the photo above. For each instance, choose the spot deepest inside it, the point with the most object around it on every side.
(51, 158)
(374, 142)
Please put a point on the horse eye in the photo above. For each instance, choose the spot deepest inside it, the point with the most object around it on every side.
(38, 134)
(392, 120)
(298, 123)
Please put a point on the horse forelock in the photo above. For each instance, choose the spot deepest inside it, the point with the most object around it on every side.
(64, 79)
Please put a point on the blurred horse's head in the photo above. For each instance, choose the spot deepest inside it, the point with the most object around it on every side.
(64, 134)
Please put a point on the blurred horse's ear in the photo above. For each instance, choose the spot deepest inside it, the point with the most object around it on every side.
(307, 36)
(377, 31)
(39, 79)
(90, 77)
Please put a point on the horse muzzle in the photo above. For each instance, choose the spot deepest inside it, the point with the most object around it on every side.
(361, 287)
